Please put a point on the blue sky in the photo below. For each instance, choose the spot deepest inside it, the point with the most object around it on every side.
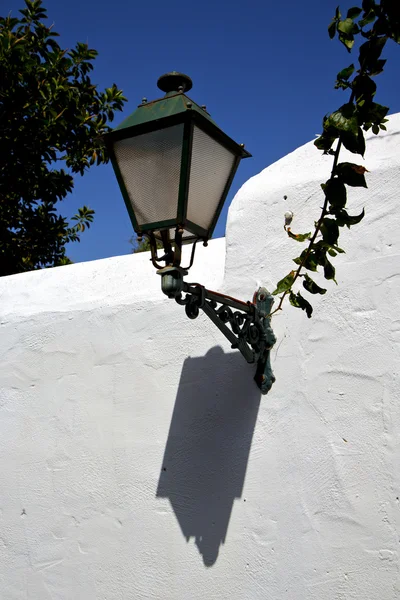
(264, 69)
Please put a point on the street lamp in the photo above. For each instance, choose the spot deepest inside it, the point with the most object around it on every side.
(175, 166)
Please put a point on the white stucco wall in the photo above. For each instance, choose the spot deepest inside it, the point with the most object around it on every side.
(137, 459)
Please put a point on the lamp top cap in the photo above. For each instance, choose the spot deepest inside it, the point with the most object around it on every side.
(174, 82)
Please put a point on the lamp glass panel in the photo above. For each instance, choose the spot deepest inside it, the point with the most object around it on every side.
(150, 166)
(210, 169)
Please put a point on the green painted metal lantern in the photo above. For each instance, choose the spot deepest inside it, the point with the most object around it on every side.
(174, 165)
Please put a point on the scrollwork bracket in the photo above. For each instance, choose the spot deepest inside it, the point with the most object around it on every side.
(247, 325)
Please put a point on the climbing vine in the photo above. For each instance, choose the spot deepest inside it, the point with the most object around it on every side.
(377, 23)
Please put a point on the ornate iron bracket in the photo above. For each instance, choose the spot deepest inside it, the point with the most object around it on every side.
(249, 322)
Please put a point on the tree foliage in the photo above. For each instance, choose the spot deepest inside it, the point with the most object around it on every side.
(142, 245)
(376, 23)
(51, 116)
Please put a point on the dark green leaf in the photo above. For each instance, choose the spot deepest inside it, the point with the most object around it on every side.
(392, 10)
(324, 142)
(351, 174)
(371, 50)
(353, 142)
(346, 73)
(343, 218)
(354, 12)
(329, 271)
(284, 284)
(342, 85)
(330, 231)
(381, 26)
(375, 113)
(369, 18)
(298, 301)
(319, 251)
(364, 88)
(311, 286)
(309, 258)
(368, 5)
(332, 29)
(377, 67)
(328, 247)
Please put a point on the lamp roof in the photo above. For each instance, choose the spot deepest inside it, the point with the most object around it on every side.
(173, 103)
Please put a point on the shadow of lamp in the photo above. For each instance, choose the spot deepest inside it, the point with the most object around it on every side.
(175, 166)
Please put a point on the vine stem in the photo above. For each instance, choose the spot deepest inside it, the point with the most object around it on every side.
(318, 226)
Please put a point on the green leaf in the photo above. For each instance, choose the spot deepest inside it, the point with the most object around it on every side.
(346, 26)
(332, 29)
(284, 284)
(320, 250)
(343, 218)
(328, 247)
(364, 88)
(353, 142)
(342, 85)
(343, 119)
(329, 271)
(351, 174)
(377, 67)
(381, 25)
(299, 237)
(349, 43)
(298, 301)
(354, 12)
(330, 231)
(375, 113)
(369, 18)
(310, 285)
(309, 258)
(346, 73)
(371, 50)
(368, 5)
(325, 141)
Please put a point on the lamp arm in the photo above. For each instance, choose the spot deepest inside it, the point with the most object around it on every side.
(246, 325)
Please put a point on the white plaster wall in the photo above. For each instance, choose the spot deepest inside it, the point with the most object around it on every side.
(137, 459)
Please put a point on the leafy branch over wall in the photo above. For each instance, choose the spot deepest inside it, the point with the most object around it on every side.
(377, 23)
(51, 116)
